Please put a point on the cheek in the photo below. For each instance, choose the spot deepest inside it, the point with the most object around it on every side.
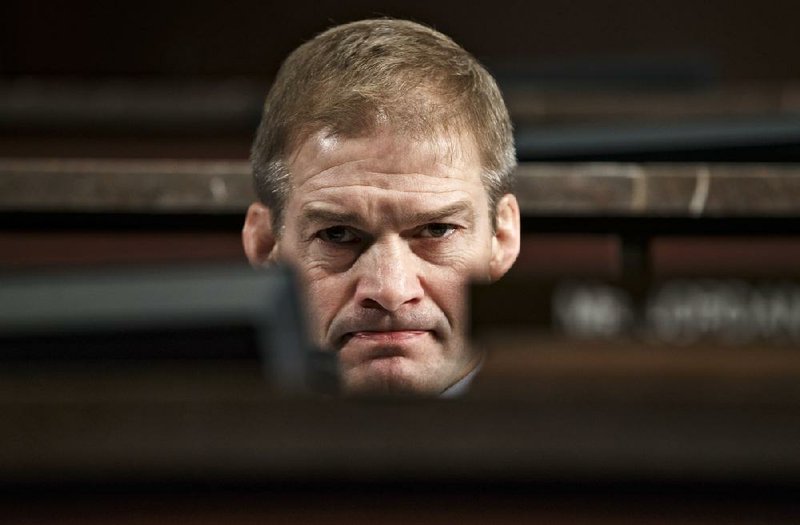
(447, 288)
(463, 261)
(324, 298)
(447, 284)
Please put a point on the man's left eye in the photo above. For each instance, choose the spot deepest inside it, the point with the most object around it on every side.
(437, 230)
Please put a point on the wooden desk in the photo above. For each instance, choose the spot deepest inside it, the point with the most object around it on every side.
(210, 445)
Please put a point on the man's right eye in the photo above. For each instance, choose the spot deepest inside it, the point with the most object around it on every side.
(338, 235)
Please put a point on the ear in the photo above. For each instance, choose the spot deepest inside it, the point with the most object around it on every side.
(505, 243)
(257, 236)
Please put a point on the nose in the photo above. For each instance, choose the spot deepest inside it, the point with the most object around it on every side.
(388, 276)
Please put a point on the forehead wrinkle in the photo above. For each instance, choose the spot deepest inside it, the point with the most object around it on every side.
(433, 182)
(361, 211)
(391, 152)
(374, 187)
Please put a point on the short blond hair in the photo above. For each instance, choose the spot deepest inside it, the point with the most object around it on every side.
(350, 77)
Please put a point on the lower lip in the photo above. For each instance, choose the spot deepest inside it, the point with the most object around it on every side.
(360, 348)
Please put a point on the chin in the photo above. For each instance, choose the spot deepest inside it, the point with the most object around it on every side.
(390, 376)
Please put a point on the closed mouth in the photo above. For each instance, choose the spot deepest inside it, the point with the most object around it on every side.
(382, 337)
(371, 345)
(388, 336)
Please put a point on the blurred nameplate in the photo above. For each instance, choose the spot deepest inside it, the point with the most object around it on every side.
(693, 339)
(674, 311)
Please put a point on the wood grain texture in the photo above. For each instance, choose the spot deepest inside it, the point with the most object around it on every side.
(576, 189)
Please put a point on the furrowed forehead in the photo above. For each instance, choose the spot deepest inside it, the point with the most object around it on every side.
(321, 215)
(388, 144)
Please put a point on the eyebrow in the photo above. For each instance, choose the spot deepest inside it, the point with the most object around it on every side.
(320, 215)
(456, 208)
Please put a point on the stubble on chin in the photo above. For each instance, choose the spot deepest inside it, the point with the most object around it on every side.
(402, 376)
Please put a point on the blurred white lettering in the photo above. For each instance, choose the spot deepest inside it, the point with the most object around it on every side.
(683, 311)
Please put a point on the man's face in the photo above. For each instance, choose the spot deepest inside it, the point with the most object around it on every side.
(384, 233)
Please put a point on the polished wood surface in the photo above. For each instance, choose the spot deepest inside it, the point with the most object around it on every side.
(549, 433)
(185, 186)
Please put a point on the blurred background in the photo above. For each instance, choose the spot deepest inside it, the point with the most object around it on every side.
(88, 38)
(656, 140)
(89, 78)
(137, 117)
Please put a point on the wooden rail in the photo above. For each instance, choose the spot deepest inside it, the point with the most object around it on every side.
(576, 189)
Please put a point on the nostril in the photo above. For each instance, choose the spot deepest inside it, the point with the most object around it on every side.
(371, 304)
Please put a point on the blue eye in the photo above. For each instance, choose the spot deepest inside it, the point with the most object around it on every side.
(437, 230)
(337, 235)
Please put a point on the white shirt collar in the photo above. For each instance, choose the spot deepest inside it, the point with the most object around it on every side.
(460, 387)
